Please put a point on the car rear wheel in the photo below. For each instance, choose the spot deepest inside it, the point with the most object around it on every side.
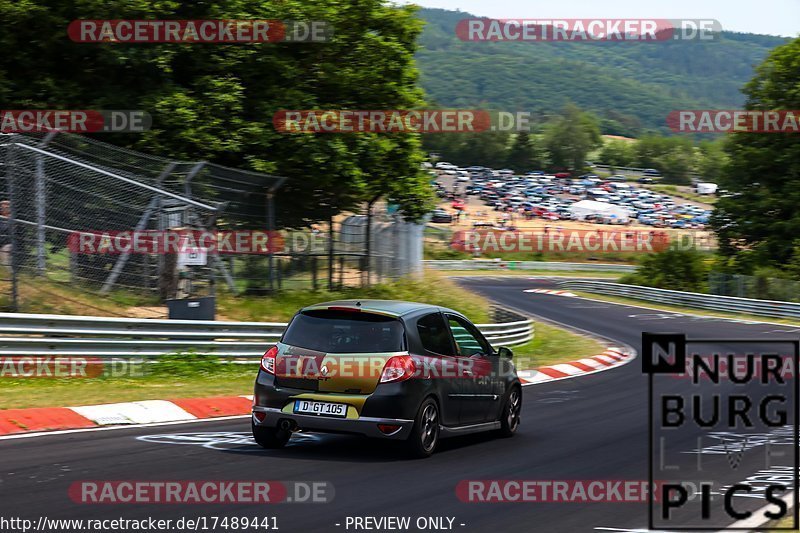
(270, 438)
(425, 433)
(511, 413)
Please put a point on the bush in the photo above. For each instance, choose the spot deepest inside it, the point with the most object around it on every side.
(680, 270)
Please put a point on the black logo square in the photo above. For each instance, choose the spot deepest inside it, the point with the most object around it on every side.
(663, 353)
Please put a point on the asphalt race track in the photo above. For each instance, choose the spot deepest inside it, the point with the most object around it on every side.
(592, 427)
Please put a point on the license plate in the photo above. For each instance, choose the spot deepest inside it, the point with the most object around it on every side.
(308, 407)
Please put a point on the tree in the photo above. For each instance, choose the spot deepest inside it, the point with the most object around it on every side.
(617, 153)
(673, 156)
(570, 138)
(760, 217)
(216, 102)
(524, 154)
(675, 269)
(712, 159)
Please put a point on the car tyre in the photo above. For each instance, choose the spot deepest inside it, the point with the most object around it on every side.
(509, 421)
(270, 438)
(425, 434)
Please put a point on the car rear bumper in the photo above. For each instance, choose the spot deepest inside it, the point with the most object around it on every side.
(367, 426)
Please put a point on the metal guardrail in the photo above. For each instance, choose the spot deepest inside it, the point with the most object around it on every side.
(490, 264)
(67, 335)
(730, 304)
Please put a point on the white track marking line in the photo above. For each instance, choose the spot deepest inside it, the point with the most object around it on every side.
(605, 358)
(592, 363)
(113, 428)
(567, 368)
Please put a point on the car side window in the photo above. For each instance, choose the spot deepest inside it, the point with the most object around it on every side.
(469, 341)
(434, 334)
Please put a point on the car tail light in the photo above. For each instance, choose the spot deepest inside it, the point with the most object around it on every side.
(398, 368)
(259, 416)
(388, 429)
(268, 361)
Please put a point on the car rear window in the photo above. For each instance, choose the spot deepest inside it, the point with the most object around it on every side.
(345, 332)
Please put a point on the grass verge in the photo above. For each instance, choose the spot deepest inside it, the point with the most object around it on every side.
(549, 273)
(194, 375)
(175, 376)
(552, 345)
(188, 376)
(433, 288)
(682, 309)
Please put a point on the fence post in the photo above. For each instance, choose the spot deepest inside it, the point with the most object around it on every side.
(331, 266)
(270, 230)
(314, 271)
(12, 216)
(41, 206)
(40, 194)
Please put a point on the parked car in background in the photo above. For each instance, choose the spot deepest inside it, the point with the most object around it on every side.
(440, 216)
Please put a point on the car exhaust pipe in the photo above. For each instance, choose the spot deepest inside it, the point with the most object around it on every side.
(287, 425)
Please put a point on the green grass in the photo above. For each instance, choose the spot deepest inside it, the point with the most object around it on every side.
(683, 309)
(73, 392)
(175, 376)
(552, 345)
(673, 190)
(195, 375)
(787, 521)
(551, 273)
(433, 288)
(47, 295)
(438, 251)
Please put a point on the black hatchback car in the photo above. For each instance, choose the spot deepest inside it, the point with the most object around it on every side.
(387, 369)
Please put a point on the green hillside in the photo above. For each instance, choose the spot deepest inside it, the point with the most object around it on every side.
(632, 86)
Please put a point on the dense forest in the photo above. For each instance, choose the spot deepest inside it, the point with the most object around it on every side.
(630, 86)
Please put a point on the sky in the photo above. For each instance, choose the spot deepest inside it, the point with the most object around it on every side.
(772, 17)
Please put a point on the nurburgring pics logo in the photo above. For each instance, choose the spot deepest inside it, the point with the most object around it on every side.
(588, 30)
(199, 31)
(734, 121)
(74, 121)
(745, 403)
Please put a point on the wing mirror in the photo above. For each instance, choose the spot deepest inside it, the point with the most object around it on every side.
(505, 352)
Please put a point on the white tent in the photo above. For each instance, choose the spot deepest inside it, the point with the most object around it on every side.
(706, 188)
(580, 210)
